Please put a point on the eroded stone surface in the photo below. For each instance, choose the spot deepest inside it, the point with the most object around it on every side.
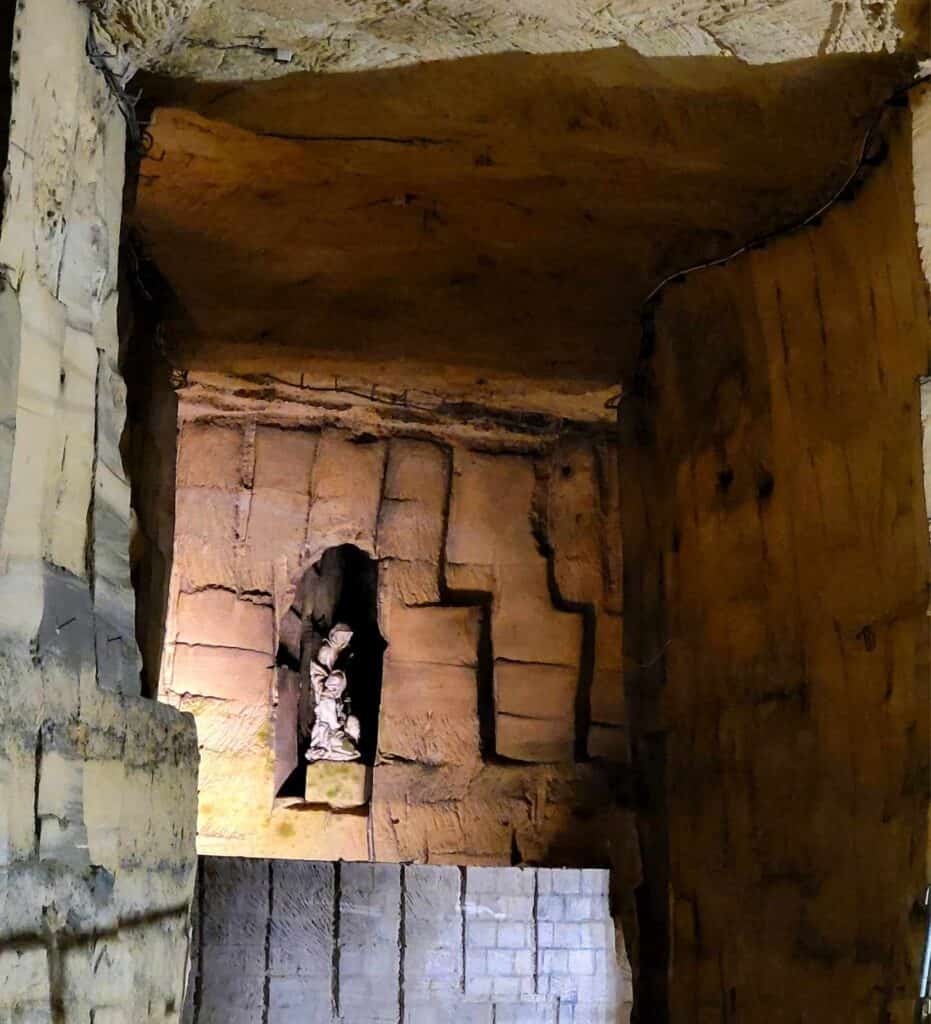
(97, 786)
(502, 185)
(781, 445)
(229, 39)
(340, 786)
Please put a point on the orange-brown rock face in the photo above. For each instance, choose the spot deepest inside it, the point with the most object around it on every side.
(500, 217)
(501, 733)
(789, 528)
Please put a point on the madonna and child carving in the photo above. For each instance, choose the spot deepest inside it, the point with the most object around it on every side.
(335, 733)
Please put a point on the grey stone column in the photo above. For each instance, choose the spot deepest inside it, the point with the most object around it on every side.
(97, 786)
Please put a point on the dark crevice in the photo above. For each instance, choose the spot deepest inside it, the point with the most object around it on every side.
(462, 924)
(149, 444)
(534, 924)
(37, 822)
(334, 969)
(266, 983)
(402, 939)
(199, 896)
(586, 677)
(485, 669)
(391, 140)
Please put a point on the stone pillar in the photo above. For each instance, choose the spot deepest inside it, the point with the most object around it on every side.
(97, 786)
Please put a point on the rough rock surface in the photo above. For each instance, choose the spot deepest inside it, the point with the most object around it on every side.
(97, 786)
(780, 706)
(492, 676)
(233, 39)
(532, 201)
(135, 34)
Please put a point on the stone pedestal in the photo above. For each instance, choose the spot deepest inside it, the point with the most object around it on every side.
(341, 785)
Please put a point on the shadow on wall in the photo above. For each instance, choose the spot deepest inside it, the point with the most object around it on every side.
(777, 571)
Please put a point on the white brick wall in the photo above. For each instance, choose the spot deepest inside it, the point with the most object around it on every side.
(414, 945)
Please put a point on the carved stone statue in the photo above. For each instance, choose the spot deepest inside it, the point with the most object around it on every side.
(335, 732)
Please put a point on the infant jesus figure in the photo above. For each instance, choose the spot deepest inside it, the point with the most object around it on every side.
(335, 732)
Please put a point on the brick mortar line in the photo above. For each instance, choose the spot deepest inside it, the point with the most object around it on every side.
(334, 968)
(535, 933)
(462, 913)
(402, 939)
(266, 984)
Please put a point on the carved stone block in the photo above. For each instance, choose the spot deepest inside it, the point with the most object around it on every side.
(341, 785)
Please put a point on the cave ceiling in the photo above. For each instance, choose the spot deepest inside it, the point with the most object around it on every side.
(502, 214)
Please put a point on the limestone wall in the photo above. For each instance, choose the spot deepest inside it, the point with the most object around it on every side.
(97, 786)
(499, 599)
(292, 942)
(780, 714)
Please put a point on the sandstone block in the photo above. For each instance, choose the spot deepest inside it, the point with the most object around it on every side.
(104, 783)
(228, 725)
(244, 676)
(535, 691)
(410, 583)
(59, 805)
(346, 493)
(417, 471)
(209, 456)
(470, 578)
(276, 527)
(429, 713)
(217, 618)
(231, 813)
(489, 518)
(437, 635)
(526, 627)
(69, 492)
(534, 739)
(341, 786)
(411, 518)
(422, 783)
(409, 531)
(25, 985)
(205, 537)
(467, 832)
(284, 459)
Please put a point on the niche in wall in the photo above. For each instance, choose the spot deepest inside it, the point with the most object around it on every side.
(476, 556)
(341, 587)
